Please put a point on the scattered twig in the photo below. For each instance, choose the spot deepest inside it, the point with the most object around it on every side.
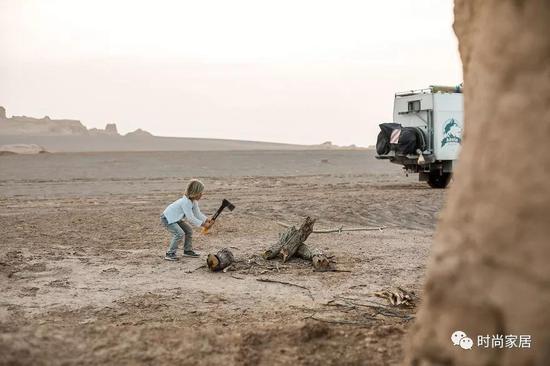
(394, 315)
(336, 304)
(193, 270)
(378, 307)
(338, 321)
(351, 299)
(301, 308)
(397, 296)
(281, 282)
(338, 270)
(372, 259)
(237, 277)
(286, 283)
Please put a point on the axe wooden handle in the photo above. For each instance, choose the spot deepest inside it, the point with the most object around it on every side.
(205, 230)
(217, 213)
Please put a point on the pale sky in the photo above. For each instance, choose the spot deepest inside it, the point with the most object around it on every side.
(271, 70)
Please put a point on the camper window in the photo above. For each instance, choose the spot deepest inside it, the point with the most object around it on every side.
(414, 106)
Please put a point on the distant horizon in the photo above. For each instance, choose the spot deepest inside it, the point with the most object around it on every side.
(225, 70)
(161, 136)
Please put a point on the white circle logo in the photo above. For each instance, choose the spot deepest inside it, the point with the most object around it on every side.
(466, 343)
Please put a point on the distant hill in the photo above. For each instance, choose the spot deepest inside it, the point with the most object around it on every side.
(72, 136)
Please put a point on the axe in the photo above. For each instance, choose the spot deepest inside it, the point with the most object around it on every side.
(225, 204)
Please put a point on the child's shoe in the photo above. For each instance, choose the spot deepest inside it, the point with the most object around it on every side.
(190, 253)
(171, 257)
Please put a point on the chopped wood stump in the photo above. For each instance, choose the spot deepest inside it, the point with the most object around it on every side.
(217, 262)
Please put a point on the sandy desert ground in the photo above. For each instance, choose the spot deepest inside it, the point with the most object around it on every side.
(83, 281)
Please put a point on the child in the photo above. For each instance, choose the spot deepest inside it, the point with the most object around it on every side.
(172, 218)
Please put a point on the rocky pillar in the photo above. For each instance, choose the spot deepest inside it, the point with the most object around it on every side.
(489, 272)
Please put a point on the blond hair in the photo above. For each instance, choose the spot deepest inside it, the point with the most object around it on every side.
(194, 188)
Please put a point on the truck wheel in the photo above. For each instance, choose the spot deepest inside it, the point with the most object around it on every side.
(439, 180)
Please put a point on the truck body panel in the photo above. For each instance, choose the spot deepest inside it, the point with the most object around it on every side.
(448, 125)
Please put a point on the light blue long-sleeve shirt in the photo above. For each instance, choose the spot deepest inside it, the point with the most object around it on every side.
(184, 208)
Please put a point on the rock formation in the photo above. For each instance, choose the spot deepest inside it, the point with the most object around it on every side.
(23, 125)
(111, 130)
(28, 126)
(489, 272)
(138, 133)
(21, 149)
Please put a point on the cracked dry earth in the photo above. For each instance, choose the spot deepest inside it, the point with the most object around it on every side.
(83, 281)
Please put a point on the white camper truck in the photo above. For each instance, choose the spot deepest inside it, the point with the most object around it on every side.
(426, 134)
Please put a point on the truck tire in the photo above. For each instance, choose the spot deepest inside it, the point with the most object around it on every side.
(439, 180)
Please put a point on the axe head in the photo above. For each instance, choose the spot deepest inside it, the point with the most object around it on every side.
(225, 204)
(228, 205)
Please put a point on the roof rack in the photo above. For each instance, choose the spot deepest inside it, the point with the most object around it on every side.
(414, 92)
(433, 89)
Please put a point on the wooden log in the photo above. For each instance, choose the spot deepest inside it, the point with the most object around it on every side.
(220, 260)
(317, 257)
(274, 250)
(296, 239)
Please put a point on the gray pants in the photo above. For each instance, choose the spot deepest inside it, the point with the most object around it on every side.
(179, 230)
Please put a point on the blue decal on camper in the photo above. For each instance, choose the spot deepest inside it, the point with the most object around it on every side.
(452, 132)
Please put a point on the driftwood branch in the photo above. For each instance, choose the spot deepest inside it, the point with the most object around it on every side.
(318, 258)
(338, 230)
(275, 249)
(290, 240)
(342, 229)
(291, 245)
